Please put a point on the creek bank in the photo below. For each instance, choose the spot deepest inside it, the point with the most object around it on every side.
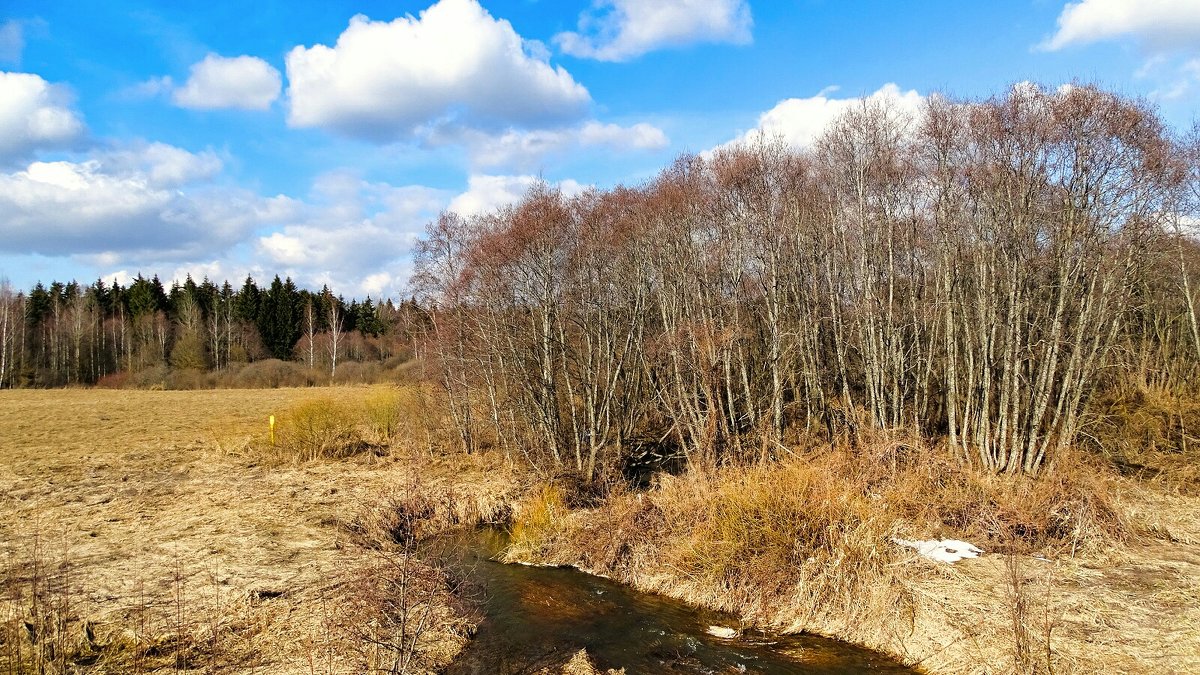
(794, 548)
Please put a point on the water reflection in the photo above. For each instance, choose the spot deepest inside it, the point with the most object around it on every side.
(537, 616)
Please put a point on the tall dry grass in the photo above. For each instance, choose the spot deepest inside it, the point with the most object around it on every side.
(1149, 431)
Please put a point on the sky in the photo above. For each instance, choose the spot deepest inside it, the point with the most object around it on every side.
(316, 139)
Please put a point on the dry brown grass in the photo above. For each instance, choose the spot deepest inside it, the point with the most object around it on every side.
(145, 530)
(805, 544)
(1150, 432)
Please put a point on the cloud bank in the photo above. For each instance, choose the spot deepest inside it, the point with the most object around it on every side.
(1157, 24)
(34, 115)
(148, 201)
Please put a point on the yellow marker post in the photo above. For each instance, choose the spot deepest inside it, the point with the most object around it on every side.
(272, 423)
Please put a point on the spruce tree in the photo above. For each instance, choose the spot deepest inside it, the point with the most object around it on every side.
(278, 319)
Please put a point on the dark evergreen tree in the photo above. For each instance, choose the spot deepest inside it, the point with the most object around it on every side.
(367, 321)
(245, 306)
(142, 299)
(279, 318)
(39, 304)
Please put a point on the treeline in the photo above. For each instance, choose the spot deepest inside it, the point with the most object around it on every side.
(68, 333)
(975, 272)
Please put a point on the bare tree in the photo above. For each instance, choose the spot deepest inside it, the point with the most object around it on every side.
(310, 331)
(335, 333)
(963, 271)
(7, 328)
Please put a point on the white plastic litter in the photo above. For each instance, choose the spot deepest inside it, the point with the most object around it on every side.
(722, 632)
(946, 550)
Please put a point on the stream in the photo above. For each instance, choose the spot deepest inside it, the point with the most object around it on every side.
(535, 616)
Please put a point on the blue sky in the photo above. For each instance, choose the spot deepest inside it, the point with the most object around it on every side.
(316, 139)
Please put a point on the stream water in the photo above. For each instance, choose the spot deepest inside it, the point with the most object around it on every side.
(536, 616)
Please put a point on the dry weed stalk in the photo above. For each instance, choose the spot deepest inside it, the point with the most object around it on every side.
(41, 632)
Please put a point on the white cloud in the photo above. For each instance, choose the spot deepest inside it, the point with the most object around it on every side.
(524, 150)
(12, 41)
(127, 204)
(155, 86)
(352, 234)
(624, 29)
(1157, 24)
(384, 81)
(488, 193)
(347, 247)
(801, 121)
(245, 82)
(640, 136)
(34, 114)
(161, 165)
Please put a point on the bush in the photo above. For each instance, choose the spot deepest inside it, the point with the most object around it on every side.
(190, 353)
(320, 428)
(190, 379)
(402, 415)
(355, 372)
(117, 380)
(273, 373)
(154, 377)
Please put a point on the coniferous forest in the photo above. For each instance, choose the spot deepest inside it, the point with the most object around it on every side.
(146, 334)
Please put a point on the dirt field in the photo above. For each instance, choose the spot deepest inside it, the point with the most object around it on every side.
(156, 534)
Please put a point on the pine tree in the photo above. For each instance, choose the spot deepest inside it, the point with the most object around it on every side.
(279, 318)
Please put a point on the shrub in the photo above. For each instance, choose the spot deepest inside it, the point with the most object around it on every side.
(190, 352)
(320, 428)
(402, 415)
(117, 380)
(154, 377)
(189, 379)
(273, 373)
(355, 372)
